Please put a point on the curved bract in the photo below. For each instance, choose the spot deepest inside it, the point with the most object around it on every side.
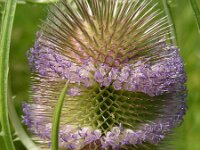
(126, 83)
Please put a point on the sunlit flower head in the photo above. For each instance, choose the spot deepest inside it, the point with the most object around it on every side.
(126, 81)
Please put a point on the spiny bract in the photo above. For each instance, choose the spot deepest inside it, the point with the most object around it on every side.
(126, 82)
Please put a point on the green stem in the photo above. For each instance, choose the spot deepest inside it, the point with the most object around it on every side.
(196, 11)
(24, 138)
(171, 21)
(56, 118)
(5, 38)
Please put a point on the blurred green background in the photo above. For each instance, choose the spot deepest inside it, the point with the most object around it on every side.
(29, 16)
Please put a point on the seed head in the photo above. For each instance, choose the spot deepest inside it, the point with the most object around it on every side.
(126, 82)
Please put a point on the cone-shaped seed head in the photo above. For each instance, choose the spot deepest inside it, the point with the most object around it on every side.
(126, 83)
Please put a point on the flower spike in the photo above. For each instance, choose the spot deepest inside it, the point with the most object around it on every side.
(126, 82)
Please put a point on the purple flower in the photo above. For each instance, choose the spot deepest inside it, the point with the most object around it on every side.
(74, 91)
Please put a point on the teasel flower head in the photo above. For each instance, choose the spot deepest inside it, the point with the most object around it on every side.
(126, 81)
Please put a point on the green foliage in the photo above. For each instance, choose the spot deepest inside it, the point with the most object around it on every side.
(56, 119)
(5, 38)
(196, 11)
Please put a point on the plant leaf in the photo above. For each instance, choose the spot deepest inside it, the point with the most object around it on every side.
(171, 21)
(196, 10)
(5, 38)
(21, 134)
(56, 118)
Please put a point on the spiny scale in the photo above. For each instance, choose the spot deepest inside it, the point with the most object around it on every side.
(106, 30)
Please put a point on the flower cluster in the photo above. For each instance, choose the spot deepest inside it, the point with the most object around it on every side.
(126, 82)
(152, 79)
(72, 137)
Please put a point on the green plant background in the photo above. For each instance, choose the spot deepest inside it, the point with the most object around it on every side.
(29, 16)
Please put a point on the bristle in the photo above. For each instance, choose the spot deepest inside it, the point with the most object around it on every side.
(104, 24)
